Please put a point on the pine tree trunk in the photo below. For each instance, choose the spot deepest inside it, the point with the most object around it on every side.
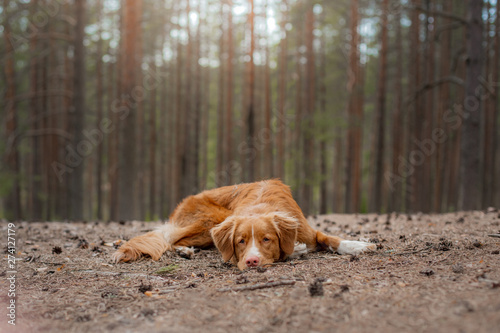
(205, 110)
(397, 123)
(281, 122)
(427, 194)
(353, 165)
(378, 192)
(443, 105)
(297, 135)
(164, 145)
(490, 111)
(494, 194)
(469, 162)
(99, 108)
(131, 62)
(197, 108)
(414, 120)
(188, 172)
(323, 206)
(152, 148)
(76, 177)
(12, 200)
(178, 121)
(308, 145)
(268, 135)
(220, 176)
(250, 116)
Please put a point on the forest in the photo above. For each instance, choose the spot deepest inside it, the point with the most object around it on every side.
(116, 110)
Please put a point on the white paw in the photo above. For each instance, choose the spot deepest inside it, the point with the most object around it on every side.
(355, 247)
(299, 250)
(185, 252)
(117, 256)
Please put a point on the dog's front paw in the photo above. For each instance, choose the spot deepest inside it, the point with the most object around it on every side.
(185, 252)
(125, 254)
(355, 247)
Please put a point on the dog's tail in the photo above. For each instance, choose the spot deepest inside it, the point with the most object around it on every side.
(154, 244)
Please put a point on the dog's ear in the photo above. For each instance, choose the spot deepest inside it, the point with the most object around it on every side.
(287, 231)
(223, 237)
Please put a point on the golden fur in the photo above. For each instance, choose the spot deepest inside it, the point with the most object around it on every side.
(251, 224)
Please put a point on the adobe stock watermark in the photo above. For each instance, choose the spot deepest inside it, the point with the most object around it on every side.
(39, 19)
(11, 274)
(76, 154)
(454, 118)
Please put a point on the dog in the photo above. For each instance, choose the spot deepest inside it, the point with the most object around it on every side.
(252, 224)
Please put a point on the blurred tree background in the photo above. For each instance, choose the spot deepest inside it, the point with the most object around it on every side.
(116, 110)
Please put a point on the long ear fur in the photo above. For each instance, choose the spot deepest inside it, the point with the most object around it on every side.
(223, 237)
(287, 232)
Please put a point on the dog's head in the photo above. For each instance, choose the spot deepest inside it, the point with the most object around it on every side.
(250, 241)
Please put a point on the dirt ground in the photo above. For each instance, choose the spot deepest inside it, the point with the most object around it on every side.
(431, 273)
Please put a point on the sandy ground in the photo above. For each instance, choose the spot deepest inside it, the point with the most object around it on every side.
(431, 273)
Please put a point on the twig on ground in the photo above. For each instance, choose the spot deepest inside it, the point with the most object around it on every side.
(51, 263)
(121, 274)
(438, 261)
(494, 235)
(285, 263)
(408, 252)
(260, 286)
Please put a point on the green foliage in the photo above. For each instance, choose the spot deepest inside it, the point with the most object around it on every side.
(167, 270)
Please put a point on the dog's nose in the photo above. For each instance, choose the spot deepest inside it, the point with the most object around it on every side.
(252, 261)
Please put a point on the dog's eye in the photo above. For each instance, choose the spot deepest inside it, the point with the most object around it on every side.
(242, 241)
(266, 239)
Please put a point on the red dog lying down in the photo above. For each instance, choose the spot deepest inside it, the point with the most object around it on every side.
(251, 224)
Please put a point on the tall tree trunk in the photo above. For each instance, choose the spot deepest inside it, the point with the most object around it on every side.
(353, 165)
(44, 115)
(428, 114)
(443, 104)
(205, 107)
(250, 116)
(127, 164)
(99, 108)
(197, 108)
(115, 85)
(152, 148)
(308, 145)
(397, 122)
(13, 199)
(380, 114)
(228, 124)
(188, 172)
(323, 206)
(490, 113)
(469, 163)
(164, 145)
(52, 142)
(279, 164)
(414, 119)
(495, 190)
(453, 179)
(205, 125)
(34, 204)
(267, 137)
(76, 177)
(220, 176)
(141, 167)
(113, 141)
(178, 122)
(297, 135)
